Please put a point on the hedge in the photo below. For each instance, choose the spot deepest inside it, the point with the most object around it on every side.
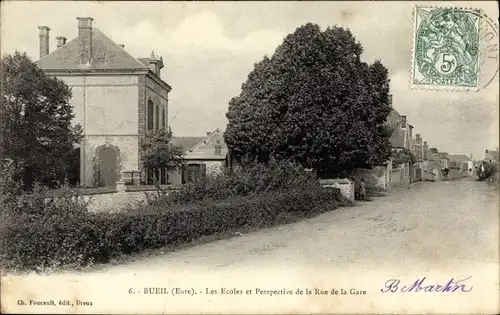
(31, 242)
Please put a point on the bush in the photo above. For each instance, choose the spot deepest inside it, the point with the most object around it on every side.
(34, 241)
(253, 179)
(14, 201)
(41, 231)
(490, 171)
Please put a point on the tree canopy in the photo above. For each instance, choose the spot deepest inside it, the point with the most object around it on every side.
(313, 102)
(36, 128)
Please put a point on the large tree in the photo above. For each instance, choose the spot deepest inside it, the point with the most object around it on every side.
(36, 123)
(313, 102)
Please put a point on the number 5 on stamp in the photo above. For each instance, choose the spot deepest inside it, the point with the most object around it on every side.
(445, 48)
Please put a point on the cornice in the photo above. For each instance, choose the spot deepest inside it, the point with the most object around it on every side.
(77, 72)
(159, 81)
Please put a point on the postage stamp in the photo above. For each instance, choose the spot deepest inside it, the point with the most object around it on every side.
(446, 48)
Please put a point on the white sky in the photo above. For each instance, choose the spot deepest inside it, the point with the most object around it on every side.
(209, 48)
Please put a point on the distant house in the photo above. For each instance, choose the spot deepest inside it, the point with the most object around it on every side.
(462, 161)
(491, 156)
(400, 140)
(443, 157)
(202, 155)
(418, 148)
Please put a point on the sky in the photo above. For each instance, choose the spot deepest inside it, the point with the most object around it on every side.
(209, 48)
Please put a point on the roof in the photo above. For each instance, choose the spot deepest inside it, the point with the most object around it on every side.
(393, 117)
(144, 61)
(458, 158)
(186, 143)
(106, 55)
(202, 148)
(443, 155)
(398, 137)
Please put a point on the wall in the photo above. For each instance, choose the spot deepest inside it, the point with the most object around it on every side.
(125, 146)
(375, 178)
(400, 176)
(433, 170)
(454, 174)
(96, 98)
(106, 106)
(346, 186)
(114, 202)
(158, 95)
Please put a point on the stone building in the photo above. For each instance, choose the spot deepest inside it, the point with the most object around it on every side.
(116, 99)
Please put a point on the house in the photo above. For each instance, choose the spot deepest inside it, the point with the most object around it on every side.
(418, 151)
(202, 156)
(462, 161)
(116, 99)
(433, 164)
(443, 157)
(418, 147)
(399, 174)
(491, 156)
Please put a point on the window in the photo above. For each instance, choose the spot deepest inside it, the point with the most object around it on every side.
(163, 176)
(150, 115)
(157, 117)
(163, 118)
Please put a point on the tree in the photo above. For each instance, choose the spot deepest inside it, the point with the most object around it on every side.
(159, 153)
(37, 133)
(315, 103)
(403, 156)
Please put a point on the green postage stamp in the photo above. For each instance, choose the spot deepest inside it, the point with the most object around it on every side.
(446, 48)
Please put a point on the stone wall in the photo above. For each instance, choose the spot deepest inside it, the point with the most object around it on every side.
(346, 186)
(117, 201)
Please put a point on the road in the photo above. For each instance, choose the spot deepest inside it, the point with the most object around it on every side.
(438, 230)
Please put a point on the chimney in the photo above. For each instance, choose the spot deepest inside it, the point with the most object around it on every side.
(403, 121)
(390, 99)
(486, 151)
(44, 40)
(85, 39)
(61, 41)
(121, 46)
(418, 136)
(209, 133)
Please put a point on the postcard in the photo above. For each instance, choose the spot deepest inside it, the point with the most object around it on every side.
(226, 157)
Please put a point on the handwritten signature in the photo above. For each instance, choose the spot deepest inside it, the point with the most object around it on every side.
(452, 285)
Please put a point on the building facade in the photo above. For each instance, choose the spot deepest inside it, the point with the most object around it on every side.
(202, 156)
(116, 99)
